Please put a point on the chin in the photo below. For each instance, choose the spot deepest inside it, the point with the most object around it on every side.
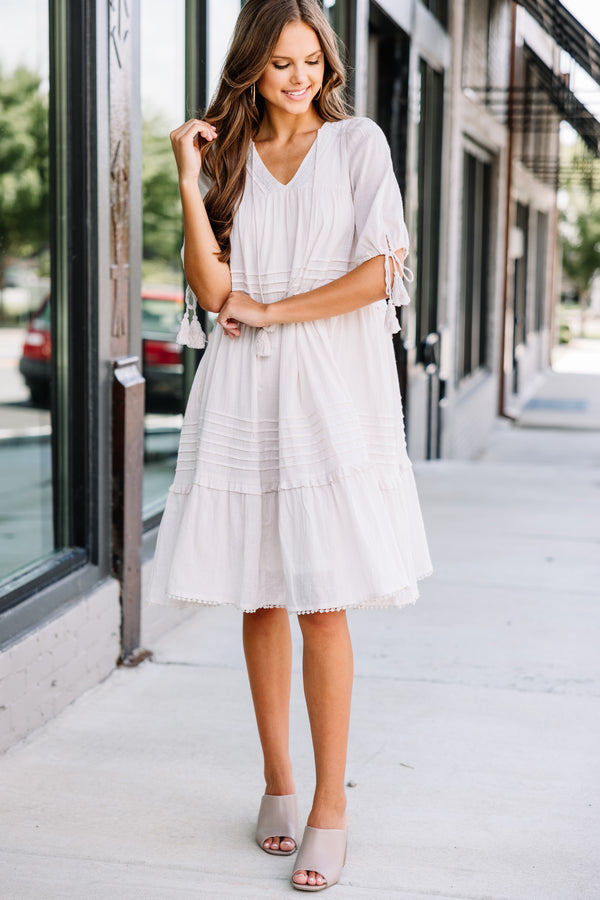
(299, 105)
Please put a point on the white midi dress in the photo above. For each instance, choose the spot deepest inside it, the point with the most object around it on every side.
(293, 487)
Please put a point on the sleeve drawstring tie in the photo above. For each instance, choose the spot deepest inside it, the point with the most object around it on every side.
(190, 332)
(396, 293)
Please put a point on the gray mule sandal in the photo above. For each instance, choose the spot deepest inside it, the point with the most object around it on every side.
(277, 817)
(323, 850)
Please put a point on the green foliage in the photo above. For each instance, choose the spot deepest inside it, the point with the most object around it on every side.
(580, 219)
(161, 205)
(24, 178)
(581, 252)
(24, 200)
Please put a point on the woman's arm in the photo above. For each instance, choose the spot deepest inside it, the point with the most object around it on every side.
(363, 285)
(208, 277)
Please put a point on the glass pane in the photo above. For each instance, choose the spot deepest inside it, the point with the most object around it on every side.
(26, 522)
(163, 108)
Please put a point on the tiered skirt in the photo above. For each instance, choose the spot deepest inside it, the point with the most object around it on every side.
(293, 487)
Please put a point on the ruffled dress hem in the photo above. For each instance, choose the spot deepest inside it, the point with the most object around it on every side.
(395, 600)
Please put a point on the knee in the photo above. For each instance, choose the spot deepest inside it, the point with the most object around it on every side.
(264, 619)
(321, 625)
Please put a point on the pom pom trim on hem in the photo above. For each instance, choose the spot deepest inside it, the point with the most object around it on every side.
(385, 601)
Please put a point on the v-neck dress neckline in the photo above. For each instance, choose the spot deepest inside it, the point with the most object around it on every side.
(299, 171)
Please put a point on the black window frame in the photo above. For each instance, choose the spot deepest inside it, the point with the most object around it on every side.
(520, 280)
(75, 416)
(429, 202)
(474, 300)
(438, 9)
(342, 16)
(542, 232)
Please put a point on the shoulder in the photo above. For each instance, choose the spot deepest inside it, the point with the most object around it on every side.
(362, 133)
(357, 127)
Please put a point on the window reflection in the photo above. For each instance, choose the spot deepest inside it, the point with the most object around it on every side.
(163, 108)
(26, 530)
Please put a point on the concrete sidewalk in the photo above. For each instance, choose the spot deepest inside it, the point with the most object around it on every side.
(474, 757)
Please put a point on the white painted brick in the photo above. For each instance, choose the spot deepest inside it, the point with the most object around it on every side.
(106, 661)
(41, 668)
(19, 717)
(41, 706)
(13, 688)
(71, 674)
(28, 650)
(100, 607)
(110, 614)
(111, 622)
(90, 635)
(51, 667)
(5, 664)
(54, 634)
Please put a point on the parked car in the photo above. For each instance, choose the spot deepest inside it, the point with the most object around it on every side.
(162, 357)
(35, 362)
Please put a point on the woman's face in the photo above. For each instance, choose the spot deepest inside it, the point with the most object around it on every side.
(294, 73)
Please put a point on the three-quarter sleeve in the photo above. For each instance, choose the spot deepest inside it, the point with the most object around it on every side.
(379, 227)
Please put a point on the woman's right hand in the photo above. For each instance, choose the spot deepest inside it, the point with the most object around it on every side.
(185, 141)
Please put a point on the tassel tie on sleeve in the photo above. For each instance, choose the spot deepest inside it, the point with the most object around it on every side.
(396, 293)
(190, 332)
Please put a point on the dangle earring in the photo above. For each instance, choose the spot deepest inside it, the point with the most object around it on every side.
(253, 93)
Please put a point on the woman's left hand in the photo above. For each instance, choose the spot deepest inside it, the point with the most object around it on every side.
(240, 308)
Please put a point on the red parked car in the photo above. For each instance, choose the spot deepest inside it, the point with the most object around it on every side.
(162, 359)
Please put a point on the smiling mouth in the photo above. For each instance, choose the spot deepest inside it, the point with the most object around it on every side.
(297, 95)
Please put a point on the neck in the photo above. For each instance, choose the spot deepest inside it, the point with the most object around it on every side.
(277, 125)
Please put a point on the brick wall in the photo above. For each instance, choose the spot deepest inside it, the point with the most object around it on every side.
(55, 663)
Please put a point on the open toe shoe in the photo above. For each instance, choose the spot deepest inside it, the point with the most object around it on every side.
(323, 850)
(277, 817)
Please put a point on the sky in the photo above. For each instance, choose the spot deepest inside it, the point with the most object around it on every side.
(20, 42)
(588, 13)
(163, 61)
(584, 87)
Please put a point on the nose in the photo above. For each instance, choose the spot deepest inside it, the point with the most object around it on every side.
(299, 74)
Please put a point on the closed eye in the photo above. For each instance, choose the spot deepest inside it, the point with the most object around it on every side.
(309, 62)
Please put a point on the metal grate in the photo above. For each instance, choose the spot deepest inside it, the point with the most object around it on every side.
(568, 33)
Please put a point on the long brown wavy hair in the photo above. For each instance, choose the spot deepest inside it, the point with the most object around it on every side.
(236, 110)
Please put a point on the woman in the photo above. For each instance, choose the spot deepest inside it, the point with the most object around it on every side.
(293, 490)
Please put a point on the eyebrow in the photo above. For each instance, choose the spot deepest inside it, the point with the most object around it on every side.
(314, 53)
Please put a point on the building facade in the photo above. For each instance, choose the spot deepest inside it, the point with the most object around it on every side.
(470, 95)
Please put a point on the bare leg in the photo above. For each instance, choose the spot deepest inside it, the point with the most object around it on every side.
(328, 671)
(268, 651)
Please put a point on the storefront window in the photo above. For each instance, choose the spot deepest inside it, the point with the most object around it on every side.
(342, 15)
(163, 108)
(26, 489)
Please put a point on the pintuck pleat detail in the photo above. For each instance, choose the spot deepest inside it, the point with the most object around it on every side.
(293, 487)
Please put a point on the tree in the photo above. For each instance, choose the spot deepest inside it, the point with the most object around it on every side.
(24, 177)
(24, 189)
(161, 206)
(580, 219)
